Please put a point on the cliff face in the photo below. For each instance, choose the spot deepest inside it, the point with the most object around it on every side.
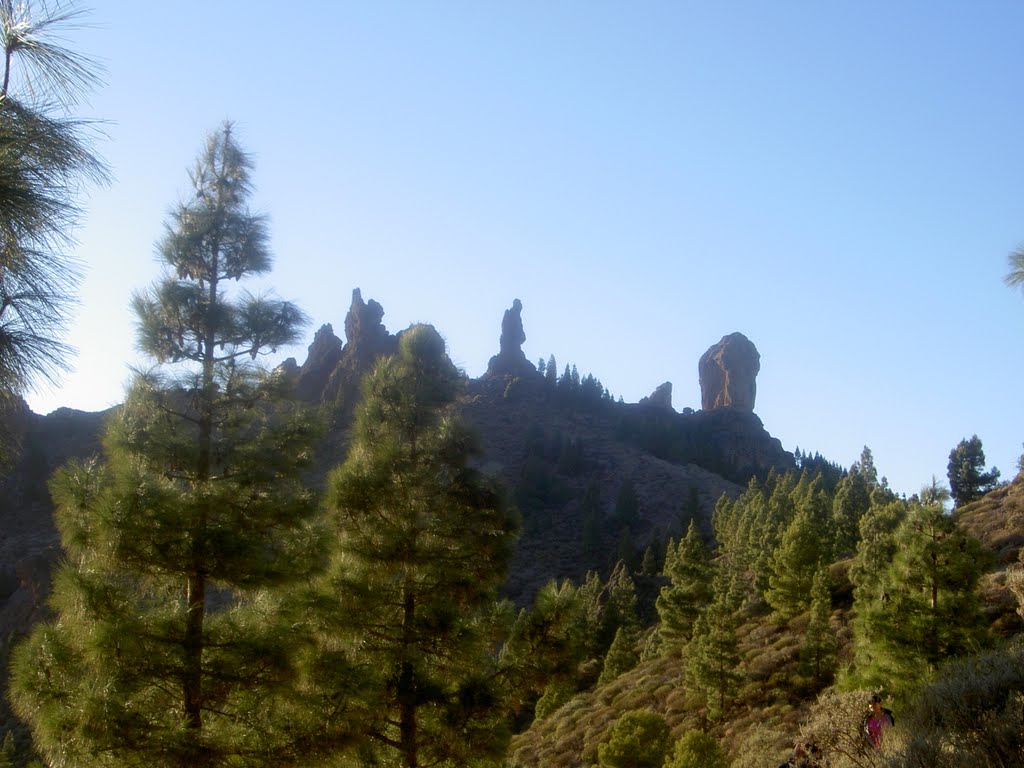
(563, 460)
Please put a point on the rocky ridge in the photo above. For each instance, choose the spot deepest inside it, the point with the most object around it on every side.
(669, 457)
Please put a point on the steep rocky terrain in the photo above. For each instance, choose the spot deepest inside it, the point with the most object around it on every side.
(565, 456)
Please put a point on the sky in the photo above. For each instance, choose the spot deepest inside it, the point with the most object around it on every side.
(840, 182)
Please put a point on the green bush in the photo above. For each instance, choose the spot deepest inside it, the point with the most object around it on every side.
(697, 749)
(640, 739)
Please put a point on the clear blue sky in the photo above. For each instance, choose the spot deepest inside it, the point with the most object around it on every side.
(841, 182)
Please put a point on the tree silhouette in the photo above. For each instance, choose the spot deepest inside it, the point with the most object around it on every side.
(173, 643)
(967, 481)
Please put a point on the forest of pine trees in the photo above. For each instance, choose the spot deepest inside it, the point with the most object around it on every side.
(213, 610)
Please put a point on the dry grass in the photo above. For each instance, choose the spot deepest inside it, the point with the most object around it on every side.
(776, 700)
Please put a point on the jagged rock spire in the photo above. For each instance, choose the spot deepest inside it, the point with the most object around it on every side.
(511, 360)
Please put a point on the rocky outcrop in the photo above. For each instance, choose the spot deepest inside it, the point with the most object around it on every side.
(332, 370)
(660, 397)
(365, 333)
(511, 360)
(728, 373)
(321, 360)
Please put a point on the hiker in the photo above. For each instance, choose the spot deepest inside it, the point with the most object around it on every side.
(877, 721)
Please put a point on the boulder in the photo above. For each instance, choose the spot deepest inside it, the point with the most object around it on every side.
(728, 373)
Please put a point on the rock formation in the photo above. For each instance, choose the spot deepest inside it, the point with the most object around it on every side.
(322, 358)
(660, 397)
(728, 373)
(364, 330)
(668, 456)
(332, 368)
(511, 360)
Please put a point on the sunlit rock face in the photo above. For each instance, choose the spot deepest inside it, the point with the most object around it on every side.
(728, 373)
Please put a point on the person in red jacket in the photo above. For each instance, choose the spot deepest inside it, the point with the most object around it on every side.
(877, 721)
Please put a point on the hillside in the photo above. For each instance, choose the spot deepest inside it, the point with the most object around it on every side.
(775, 699)
(595, 481)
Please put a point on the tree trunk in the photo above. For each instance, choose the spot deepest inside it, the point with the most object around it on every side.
(407, 688)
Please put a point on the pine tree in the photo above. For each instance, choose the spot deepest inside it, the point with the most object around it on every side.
(778, 514)
(649, 561)
(741, 546)
(46, 159)
(546, 645)
(818, 652)
(928, 608)
(865, 467)
(621, 656)
(875, 549)
(173, 643)
(422, 544)
(688, 566)
(607, 606)
(712, 655)
(851, 502)
(967, 481)
(805, 544)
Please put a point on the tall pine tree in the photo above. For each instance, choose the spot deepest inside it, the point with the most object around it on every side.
(806, 543)
(688, 565)
(851, 502)
(925, 608)
(173, 644)
(712, 654)
(818, 652)
(967, 480)
(422, 543)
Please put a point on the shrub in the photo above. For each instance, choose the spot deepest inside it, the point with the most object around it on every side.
(697, 749)
(640, 739)
(764, 747)
(836, 726)
(972, 716)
